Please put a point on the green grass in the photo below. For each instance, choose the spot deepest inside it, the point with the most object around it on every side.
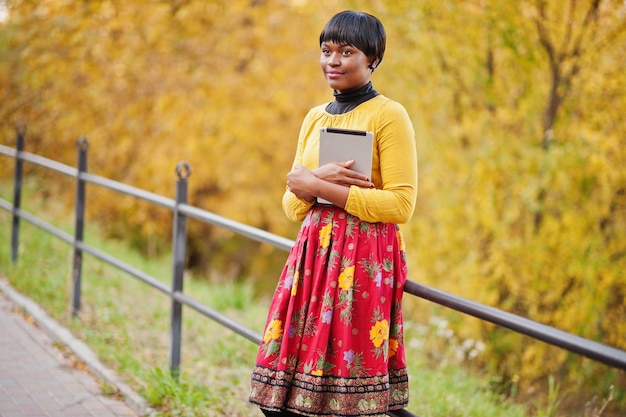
(126, 323)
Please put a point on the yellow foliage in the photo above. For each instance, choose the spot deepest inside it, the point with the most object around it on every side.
(518, 109)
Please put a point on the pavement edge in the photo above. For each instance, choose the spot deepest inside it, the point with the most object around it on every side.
(62, 335)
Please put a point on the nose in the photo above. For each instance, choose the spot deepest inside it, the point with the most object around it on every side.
(333, 59)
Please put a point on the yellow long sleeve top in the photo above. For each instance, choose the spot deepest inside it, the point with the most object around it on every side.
(394, 164)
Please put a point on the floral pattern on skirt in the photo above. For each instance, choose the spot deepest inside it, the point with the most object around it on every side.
(333, 343)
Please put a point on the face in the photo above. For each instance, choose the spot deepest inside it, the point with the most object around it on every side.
(345, 67)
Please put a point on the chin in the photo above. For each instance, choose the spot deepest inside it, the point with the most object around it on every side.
(334, 85)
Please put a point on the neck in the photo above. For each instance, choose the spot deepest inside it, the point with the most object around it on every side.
(351, 94)
(347, 100)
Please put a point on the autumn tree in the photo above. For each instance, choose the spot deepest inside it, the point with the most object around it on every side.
(518, 109)
(531, 225)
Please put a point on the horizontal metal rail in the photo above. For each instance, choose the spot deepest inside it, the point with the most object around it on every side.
(129, 269)
(594, 350)
(148, 196)
(62, 235)
(8, 151)
(597, 351)
(39, 160)
(239, 228)
(169, 203)
(217, 316)
(7, 205)
(591, 349)
(113, 185)
(103, 256)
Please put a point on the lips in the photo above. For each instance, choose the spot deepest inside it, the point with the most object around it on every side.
(333, 74)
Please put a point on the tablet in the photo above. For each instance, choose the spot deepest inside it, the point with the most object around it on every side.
(340, 145)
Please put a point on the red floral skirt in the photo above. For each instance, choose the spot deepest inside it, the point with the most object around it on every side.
(333, 343)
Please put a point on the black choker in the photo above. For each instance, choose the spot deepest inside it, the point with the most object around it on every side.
(346, 101)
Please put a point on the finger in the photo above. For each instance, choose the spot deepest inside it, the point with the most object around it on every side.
(356, 175)
(346, 164)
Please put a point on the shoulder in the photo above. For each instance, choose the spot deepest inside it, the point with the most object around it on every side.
(315, 117)
(315, 113)
(388, 112)
(318, 110)
(390, 106)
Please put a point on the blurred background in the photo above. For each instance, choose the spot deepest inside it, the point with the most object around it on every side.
(518, 108)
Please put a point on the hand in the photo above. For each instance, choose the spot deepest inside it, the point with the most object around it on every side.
(301, 181)
(340, 173)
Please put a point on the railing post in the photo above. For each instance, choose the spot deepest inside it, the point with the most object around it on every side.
(179, 243)
(17, 191)
(77, 265)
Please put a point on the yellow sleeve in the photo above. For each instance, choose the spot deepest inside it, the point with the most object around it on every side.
(394, 196)
(295, 209)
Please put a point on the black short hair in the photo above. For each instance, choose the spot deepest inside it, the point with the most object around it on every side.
(361, 30)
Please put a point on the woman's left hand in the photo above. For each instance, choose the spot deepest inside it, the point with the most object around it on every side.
(301, 182)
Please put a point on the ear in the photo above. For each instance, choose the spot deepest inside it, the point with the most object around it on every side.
(373, 64)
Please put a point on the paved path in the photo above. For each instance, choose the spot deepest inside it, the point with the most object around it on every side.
(37, 380)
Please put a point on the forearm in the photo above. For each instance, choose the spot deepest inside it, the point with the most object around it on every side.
(302, 194)
(387, 206)
(335, 193)
(295, 208)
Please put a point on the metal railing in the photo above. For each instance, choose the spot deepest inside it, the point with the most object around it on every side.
(182, 212)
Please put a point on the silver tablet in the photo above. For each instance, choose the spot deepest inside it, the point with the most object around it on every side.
(340, 145)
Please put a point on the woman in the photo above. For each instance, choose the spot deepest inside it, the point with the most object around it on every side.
(333, 343)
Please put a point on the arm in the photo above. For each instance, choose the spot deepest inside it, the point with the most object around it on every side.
(302, 189)
(331, 182)
(295, 208)
(395, 195)
(394, 173)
